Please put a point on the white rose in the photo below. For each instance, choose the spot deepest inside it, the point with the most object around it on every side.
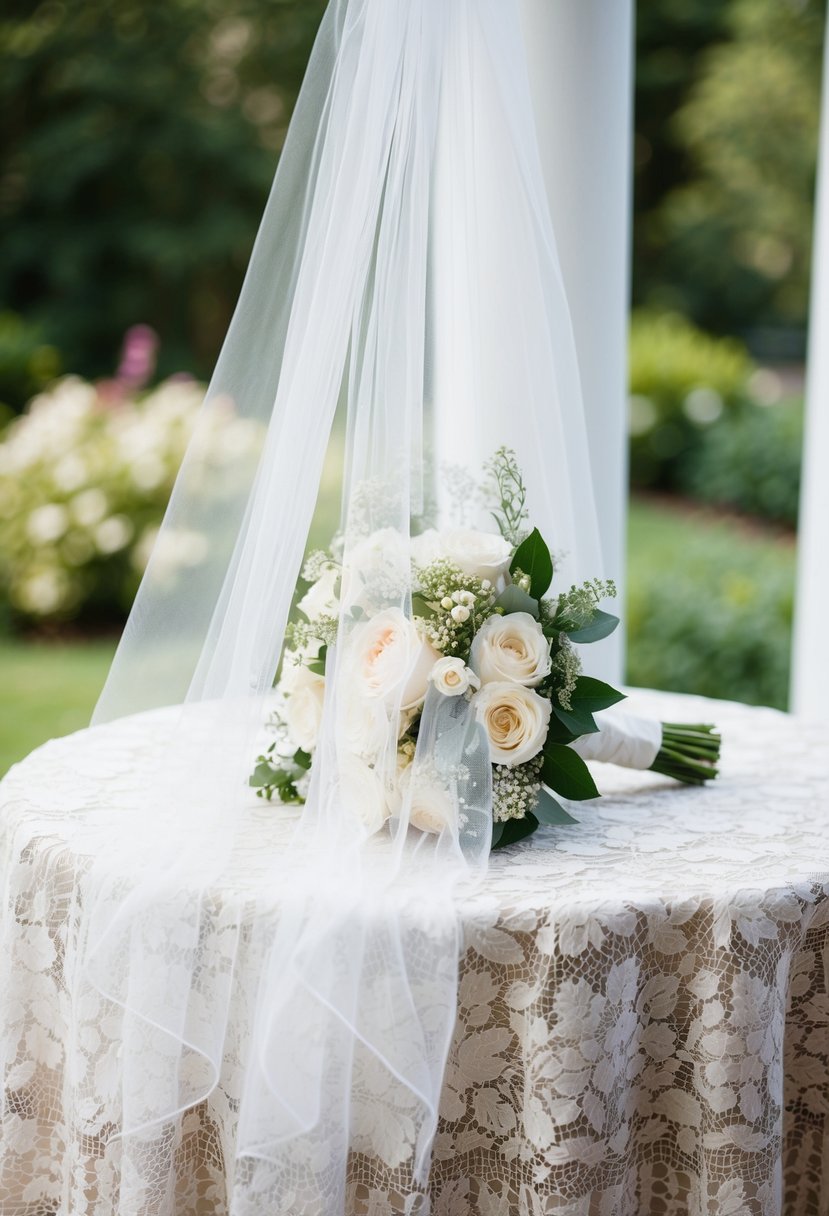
(375, 568)
(431, 806)
(303, 708)
(321, 598)
(511, 647)
(452, 677)
(364, 727)
(295, 662)
(482, 554)
(390, 660)
(515, 719)
(426, 548)
(362, 793)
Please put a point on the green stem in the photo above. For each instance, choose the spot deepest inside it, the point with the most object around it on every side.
(689, 753)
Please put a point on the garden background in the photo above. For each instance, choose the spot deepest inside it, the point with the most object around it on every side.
(137, 146)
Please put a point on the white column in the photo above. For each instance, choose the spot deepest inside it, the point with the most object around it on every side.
(581, 67)
(810, 669)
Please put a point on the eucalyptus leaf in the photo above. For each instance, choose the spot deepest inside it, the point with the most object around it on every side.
(549, 811)
(533, 558)
(513, 599)
(565, 772)
(601, 626)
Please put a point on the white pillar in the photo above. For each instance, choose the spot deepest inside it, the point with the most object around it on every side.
(581, 68)
(810, 668)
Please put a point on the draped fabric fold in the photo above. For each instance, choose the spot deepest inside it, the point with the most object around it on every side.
(402, 317)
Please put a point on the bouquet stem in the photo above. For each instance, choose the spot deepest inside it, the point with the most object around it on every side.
(689, 753)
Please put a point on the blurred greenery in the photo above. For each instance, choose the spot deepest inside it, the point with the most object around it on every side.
(48, 689)
(681, 381)
(709, 606)
(137, 145)
(709, 611)
(727, 114)
(138, 142)
(750, 460)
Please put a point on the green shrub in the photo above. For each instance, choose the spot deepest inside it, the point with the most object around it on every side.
(681, 382)
(709, 608)
(750, 460)
(84, 482)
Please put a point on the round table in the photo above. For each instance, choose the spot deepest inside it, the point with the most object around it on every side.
(643, 1011)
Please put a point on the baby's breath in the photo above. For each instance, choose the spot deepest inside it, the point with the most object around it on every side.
(566, 669)
(579, 604)
(300, 635)
(458, 604)
(316, 563)
(515, 790)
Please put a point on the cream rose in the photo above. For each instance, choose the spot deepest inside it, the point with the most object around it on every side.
(390, 660)
(481, 554)
(426, 548)
(321, 598)
(364, 727)
(515, 719)
(511, 647)
(452, 677)
(303, 708)
(362, 793)
(431, 806)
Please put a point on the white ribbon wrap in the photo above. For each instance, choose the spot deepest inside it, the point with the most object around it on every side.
(622, 738)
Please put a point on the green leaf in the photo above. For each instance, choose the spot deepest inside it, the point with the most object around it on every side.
(566, 773)
(591, 695)
(263, 774)
(302, 759)
(421, 607)
(558, 732)
(550, 812)
(513, 830)
(317, 665)
(513, 599)
(601, 626)
(577, 720)
(533, 558)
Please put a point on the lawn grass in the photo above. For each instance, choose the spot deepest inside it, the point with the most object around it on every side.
(50, 688)
(46, 689)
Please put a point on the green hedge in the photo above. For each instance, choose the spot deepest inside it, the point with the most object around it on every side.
(681, 382)
(709, 608)
(750, 460)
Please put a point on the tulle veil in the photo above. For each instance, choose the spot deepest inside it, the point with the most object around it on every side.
(402, 317)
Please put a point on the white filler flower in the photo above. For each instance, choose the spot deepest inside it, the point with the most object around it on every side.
(515, 719)
(511, 647)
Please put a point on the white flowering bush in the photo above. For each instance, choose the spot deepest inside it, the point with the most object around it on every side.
(85, 476)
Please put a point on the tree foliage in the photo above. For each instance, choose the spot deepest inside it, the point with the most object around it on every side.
(139, 140)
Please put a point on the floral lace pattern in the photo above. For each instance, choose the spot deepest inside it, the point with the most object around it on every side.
(643, 1021)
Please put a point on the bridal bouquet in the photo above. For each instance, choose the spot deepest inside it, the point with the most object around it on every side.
(485, 626)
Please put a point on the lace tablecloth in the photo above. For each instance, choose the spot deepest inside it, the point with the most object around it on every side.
(644, 1003)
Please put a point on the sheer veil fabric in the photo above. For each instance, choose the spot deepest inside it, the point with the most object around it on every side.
(405, 278)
